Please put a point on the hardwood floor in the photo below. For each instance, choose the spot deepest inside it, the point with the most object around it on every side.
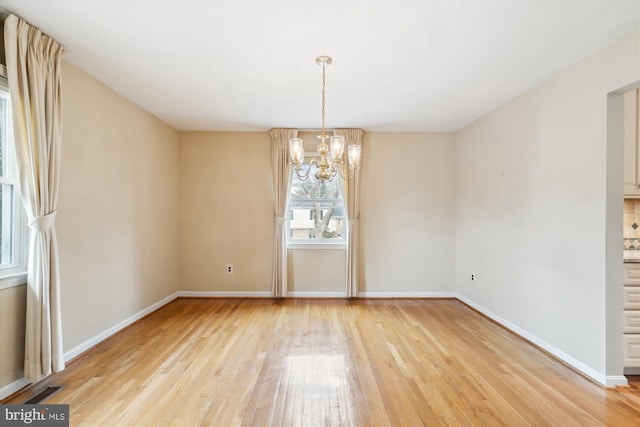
(255, 362)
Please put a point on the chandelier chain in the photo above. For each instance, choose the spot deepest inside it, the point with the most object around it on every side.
(329, 162)
(323, 97)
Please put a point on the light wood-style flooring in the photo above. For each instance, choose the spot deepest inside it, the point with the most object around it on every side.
(297, 362)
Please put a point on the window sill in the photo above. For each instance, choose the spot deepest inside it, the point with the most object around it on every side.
(317, 245)
(13, 280)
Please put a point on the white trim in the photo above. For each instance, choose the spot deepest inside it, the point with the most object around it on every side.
(575, 363)
(91, 342)
(9, 389)
(616, 381)
(225, 294)
(310, 244)
(407, 294)
(313, 294)
(13, 280)
(607, 381)
(14, 215)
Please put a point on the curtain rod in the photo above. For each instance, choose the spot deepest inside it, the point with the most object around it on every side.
(317, 129)
(313, 129)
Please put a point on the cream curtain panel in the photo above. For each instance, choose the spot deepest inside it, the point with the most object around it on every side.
(281, 171)
(351, 192)
(34, 63)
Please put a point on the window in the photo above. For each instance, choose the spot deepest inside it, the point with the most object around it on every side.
(316, 211)
(13, 224)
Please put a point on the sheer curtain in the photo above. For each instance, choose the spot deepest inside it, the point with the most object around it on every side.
(33, 69)
(351, 191)
(281, 171)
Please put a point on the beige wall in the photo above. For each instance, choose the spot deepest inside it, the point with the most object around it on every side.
(407, 213)
(531, 196)
(226, 211)
(315, 272)
(407, 228)
(118, 208)
(117, 218)
(13, 304)
(227, 216)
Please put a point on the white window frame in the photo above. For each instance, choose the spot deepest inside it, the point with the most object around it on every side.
(15, 272)
(330, 244)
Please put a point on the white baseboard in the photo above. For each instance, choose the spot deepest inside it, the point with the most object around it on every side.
(599, 377)
(616, 380)
(315, 294)
(607, 381)
(9, 389)
(407, 295)
(311, 294)
(224, 294)
(77, 350)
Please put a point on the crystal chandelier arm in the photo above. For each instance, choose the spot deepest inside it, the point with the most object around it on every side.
(349, 175)
(304, 176)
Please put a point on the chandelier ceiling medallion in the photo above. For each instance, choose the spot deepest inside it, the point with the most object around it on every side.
(331, 160)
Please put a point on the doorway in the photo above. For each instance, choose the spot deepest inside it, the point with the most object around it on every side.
(614, 267)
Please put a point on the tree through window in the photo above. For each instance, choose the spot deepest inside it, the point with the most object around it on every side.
(316, 210)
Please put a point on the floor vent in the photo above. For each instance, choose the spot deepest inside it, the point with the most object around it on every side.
(44, 394)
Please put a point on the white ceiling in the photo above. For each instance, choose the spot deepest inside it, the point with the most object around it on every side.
(397, 65)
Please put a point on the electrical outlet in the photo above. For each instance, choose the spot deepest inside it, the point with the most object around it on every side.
(473, 277)
(229, 268)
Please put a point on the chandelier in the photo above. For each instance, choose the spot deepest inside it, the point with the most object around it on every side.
(331, 160)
